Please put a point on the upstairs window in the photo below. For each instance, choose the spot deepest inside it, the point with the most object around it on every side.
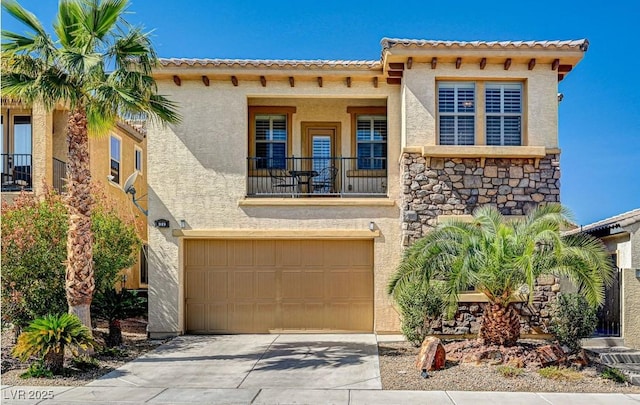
(371, 141)
(456, 111)
(271, 140)
(503, 114)
(137, 159)
(115, 154)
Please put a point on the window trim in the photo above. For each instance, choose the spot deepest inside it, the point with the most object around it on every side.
(502, 115)
(355, 112)
(136, 149)
(120, 158)
(473, 114)
(258, 110)
(480, 136)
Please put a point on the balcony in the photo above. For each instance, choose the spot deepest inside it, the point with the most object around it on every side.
(16, 172)
(294, 177)
(59, 175)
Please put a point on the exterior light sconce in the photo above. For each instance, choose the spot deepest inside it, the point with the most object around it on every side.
(372, 226)
(161, 223)
(183, 224)
(637, 273)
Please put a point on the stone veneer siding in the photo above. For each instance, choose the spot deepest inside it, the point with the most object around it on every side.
(454, 186)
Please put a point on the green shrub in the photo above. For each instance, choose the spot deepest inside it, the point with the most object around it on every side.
(560, 373)
(572, 319)
(37, 370)
(33, 252)
(114, 306)
(419, 305)
(613, 374)
(46, 338)
(85, 363)
(508, 371)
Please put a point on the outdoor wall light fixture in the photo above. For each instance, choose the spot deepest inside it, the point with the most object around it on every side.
(372, 226)
(161, 223)
(183, 224)
(637, 273)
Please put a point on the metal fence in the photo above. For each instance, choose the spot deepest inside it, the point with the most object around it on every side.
(16, 172)
(316, 177)
(59, 175)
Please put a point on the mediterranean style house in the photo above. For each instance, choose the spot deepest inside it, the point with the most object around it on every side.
(620, 314)
(285, 198)
(34, 151)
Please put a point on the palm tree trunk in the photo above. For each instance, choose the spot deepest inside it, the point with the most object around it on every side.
(79, 284)
(500, 325)
(54, 360)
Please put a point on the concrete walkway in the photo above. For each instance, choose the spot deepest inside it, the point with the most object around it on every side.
(271, 369)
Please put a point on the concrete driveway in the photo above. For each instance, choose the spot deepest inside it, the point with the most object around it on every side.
(346, 361)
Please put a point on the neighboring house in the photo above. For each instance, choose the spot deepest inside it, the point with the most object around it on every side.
(620, 315)
(292, 186)
(34, 150)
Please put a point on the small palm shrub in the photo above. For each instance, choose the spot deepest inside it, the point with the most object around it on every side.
(113, 306)
(572, 319)
(46, 338)
(419, 305)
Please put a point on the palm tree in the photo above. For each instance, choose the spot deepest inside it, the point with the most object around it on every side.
(99, 67)
(499, 257)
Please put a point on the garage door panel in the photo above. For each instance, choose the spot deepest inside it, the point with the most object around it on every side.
(243, 286)
(254, 286)
(195, 285)
(218, 285)
(265, 284)
(313, 284)
(218, 254)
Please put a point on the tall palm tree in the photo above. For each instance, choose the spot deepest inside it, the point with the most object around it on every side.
(99, 67)
(499, 257)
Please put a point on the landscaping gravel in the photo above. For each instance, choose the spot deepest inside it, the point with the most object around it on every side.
(135, 344)
(398, 372)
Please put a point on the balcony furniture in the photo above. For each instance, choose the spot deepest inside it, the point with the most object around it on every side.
(281, 180)
(325, 182)
(303, 179)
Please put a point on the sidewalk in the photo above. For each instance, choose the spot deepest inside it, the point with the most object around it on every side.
(137, 395)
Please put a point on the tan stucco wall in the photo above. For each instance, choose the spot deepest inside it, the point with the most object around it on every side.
(100, 169)
(197, 172)
(540, 100)
(630, 308)
(59, 135)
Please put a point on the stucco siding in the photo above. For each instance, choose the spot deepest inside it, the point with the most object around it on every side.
(539, 101)
(197, 173)
(630, 308)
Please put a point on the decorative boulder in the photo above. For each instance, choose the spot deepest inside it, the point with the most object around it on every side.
(432, 355)
(551, 355)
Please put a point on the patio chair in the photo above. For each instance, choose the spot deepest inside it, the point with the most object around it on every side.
(325, 182)
(281, 180)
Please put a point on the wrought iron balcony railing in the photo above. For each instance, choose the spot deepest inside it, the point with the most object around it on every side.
(16, 172)
(316, 177)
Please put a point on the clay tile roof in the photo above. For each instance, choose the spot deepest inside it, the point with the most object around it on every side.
(388, 43)
(616, 221)
(265, 63)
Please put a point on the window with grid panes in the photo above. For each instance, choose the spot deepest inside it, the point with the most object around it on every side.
(271, 141)
(371, 142)
(456, 112)
(503, 114)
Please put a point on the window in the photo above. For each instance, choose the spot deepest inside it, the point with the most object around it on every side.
(271, 141)
(371, 141)
(114, 153)
(456, 108)
(144, 264)
(137, 159)
(503, 114)
(269, 137)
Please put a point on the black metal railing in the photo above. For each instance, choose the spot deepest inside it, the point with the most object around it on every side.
(59, 174)
(16, 172)
(316, 177)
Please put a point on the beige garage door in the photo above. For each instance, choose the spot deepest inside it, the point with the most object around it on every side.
(261, 286)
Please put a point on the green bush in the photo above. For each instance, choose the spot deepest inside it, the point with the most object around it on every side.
(572, 319)
(419, 305)
(34, 250)
(114, 306)
(614, 374)
(508, 371)
(46, 338)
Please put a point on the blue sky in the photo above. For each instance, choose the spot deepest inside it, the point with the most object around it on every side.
(599, 128)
